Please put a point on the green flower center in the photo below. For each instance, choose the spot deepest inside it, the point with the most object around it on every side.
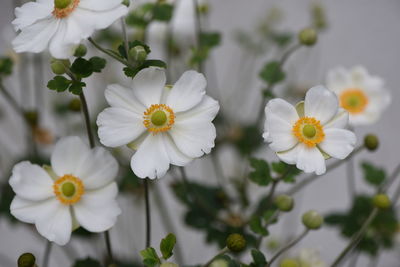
(353, 101)
(61, 4)
(159, 118)
(68, 189)
(309, 131)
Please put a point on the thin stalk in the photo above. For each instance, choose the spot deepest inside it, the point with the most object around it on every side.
(85, 111)
(108, 247)
(46, 255)
(198, 32)
(125, 36)
(222, 252)
(11, 100)
(105, 51)
(288, 246)
(148, 215)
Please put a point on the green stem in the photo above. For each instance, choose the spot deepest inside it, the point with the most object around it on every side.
(198, 32)
(85, 111)
(11, 100)
(125, 36)
(105, 51)
(222, 252)
(46, 255)
(148, 215)
(108, 247)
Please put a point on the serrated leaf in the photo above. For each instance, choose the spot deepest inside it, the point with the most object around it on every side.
(59, 84)
(77, 87)
(257, 227)
(258, 258)
(372, 174)
(210, 39)
(261, 174)
(162, 12)
(82, 67)
(150, 257)
(272, 73)
(98, 63)
(167, 245)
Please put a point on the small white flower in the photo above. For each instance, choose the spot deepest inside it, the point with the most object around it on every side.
(166, 125)
(62, 24)
(362, 95)
(78, 190)
(310, 258)
(309, 133)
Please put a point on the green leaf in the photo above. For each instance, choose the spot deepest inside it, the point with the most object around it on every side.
(82, 67)
(282, 168)
(59, 84)
(372, 174)
(272, 73)
(257, 227)
(258, 258)
(154, 63)
(6, 66)
(98, 63)
(281, 39)
(88, 262)
(150, 257)
(261, 174)
(162, 12)
(210, 39)
(167, 245)
(76, 87)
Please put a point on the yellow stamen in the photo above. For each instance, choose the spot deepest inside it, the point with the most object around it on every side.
(64, 10)
(353, 100)
(158, 118)
(68, 189)
(309, 131)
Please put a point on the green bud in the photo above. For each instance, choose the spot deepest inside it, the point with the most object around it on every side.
(26, 260)
(169, 264)
(32, 118)
(61, 4)
(138, 53)
(381, 201)
(203, 9)
(59, 66)
(289, 263)
(126, 3)
(75, 105)
(308, 37)
(236, 242)
(371, 142)
(219, 263)
(80, 51)
(312, 220)
(284, 202)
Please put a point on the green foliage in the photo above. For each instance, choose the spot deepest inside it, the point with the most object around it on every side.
(250, 139)
(372, 174)
(141, 16)
(272, 73)
(257, 227)
(261, 172)
(258, 258)
(83, 68)
(88, 262)
(210, 39)
(381, 231)
(281, 38)
(150, 257)
(98, 64)
(59, 84)
(6, 66)
(207, 41)
(289, 171)
(162, 12)
(167, 245)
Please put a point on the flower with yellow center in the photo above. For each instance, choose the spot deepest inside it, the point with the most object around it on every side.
(164, 124)
(361, 94)
(77, 190)
(61, 25)
(309, 133)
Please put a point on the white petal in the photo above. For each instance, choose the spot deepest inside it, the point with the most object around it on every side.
(289, 156)
(59, 48)
(176, 157)
(148, 85)
(31, 182)
(68, 155)
(187, 92)
(310, 160)
(118, 126)
(281, 109)
(30, 13)
(36, 38)
(206, 110)
(341, 120)
(338, 143)
(98, 169)
(99, 5)
(55, 222)
(151, 159)
(321, 104)
(29, 211)
(97, 211)
(338, 79)
(122, 97)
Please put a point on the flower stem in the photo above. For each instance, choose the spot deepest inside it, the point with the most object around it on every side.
(222, 252)
(108, 247)
(11, 100)
(46, 255)
(148, 215)
(85, 111)
(125, 36)
(105, 51)
(288, 246)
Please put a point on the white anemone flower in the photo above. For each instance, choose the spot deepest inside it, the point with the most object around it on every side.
(77, 190)
(309, 133)
(62, 24)
(310, 258)
(361, 94)
(166, 124)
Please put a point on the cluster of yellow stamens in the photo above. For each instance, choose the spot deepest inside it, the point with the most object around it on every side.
(68, 189)
(63, 8)
(353, 100)
(309, 131)
(158, 118)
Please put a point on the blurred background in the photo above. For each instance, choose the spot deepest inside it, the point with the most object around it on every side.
(362, 32)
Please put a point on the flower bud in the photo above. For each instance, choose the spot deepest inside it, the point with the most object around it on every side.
(32, 118)
(308, 37)
(312, 220)
(371, 142)
(126, 3)
(381, 201)
(59, 66)
(289, 263)
(236, 242)
(169, 264)
(284, 202)
(138, 53)
(26, 260)
(80, 51)
(219, 263)
(75, 105)
(61, 4)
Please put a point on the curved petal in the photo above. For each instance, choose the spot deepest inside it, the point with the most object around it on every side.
(55, 222)
(341, 120)
(122, 97)
(310, 160)
(29, 211)
(151, 159)
(97, 211)
(99, 5)
(98, 169)
(30, 13)
(338, 79)
(289, 156)
(176, 157)
(31, 182)
(281, 109)
(148, 85)
(338, 143)
(59, 48)
(187, 92)
(118, 126)
(206, 110)
(68, 155)
(321, 104)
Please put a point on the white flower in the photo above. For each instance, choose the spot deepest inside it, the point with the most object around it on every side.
(166, 125)
(78, 190)
(309, 133)
(310, 258)
(62, 24)
(361, 94)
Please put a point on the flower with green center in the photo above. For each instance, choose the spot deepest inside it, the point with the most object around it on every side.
(61, 4)
(77, 190)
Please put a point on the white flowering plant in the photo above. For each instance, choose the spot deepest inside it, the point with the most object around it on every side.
(138, 126)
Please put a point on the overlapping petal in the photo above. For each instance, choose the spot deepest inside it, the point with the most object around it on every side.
(321, 104)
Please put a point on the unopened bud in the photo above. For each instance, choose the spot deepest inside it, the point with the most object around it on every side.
(138, 53)
(80, 51)
(26, 260)
(75, 105)
(219, 263)
(381, 201)
(308, 37)
(126, 3)
(371, 142)
(59, 66)
(236, 242)
(284, 202)
(289, 263)
(312, 220)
